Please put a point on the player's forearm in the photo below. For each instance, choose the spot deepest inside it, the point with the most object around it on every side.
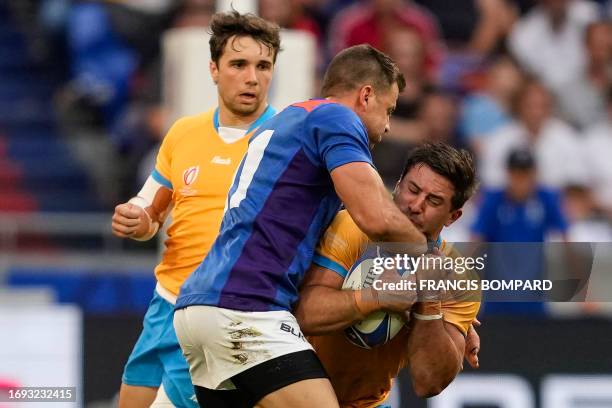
(400, 229)
(370, 205)
(155, 200)
(434, 357)
(382, 221)
(322, 310)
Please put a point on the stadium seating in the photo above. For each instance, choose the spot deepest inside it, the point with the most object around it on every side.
(37, 169)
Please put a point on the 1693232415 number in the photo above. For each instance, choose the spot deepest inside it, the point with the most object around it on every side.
(38, 394)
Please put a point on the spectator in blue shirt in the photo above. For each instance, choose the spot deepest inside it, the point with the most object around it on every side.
(522, 212)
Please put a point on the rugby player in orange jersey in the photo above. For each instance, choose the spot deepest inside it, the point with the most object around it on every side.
(435, 183)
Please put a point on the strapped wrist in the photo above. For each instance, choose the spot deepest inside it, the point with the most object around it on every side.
(428, 308)
(366, 301)
(419, 316)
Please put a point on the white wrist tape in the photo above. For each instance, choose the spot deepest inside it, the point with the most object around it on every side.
(153, 226)
(140, 202)
(419, 316)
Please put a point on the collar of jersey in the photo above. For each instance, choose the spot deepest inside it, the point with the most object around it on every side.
(268, 113)
(437, 243)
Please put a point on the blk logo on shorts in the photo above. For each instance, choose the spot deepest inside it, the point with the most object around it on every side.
(290, 329)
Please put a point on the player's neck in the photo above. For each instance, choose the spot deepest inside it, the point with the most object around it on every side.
(434, 237)
(230, 119)
(346, 100)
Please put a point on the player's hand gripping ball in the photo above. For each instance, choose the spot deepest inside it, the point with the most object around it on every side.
(378, 327)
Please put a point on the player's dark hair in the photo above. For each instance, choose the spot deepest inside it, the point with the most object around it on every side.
(361, 65)
(223, 26)
(457, 166)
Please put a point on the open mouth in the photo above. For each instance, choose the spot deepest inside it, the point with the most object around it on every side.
(248, 96)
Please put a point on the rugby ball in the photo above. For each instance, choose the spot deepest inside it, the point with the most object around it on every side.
(378, 327)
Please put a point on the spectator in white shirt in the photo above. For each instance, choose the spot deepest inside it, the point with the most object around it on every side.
(583, 99)
(586, 222)
(548, 40)
(554, 143)
(598, 154)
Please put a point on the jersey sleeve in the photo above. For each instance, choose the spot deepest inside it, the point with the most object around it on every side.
(339, 136)
(341, 245)
(163, 165)
(460, 314)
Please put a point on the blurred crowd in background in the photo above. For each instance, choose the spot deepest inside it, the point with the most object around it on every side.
(525, 85)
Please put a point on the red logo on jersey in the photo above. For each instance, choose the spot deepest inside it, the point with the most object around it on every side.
(190, 175)
(309, 105)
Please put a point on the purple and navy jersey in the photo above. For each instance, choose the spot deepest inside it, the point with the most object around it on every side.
(281, 201)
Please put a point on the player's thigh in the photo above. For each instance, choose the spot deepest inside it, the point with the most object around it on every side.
(221, 343)
(287, 380)
(132, 396)
(222, 398)
(316, 392)
(144, 368)
(176, 379)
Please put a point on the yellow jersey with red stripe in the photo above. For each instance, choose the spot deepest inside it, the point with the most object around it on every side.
(198, 166)
(363, 378)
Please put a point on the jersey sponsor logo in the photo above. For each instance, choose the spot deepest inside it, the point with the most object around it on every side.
(189, 177)
(226, 161)
(290, 329)
(190, 174)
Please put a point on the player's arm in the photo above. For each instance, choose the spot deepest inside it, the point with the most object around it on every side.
(141, 217)
(435, 353)
(323, 306)
(368, 202)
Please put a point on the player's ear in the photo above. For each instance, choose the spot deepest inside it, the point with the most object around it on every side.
(214, 71)
(455, 215)
(365, 93)
(396, 189)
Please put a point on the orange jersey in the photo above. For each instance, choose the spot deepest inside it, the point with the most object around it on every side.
(360, 377)
(198, 165)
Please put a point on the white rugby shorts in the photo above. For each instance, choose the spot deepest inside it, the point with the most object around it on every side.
(220, 343)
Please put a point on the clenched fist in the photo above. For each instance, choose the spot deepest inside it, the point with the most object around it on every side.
(130, 221)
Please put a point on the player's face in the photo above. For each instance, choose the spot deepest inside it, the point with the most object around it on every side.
(425, 197)
(377, 113)
(243, 75)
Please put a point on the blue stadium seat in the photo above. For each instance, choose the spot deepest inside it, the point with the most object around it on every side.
(40, 167)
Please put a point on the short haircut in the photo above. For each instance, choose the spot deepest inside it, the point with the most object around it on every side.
(361, 65)
(457, 166)
(223, 26)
